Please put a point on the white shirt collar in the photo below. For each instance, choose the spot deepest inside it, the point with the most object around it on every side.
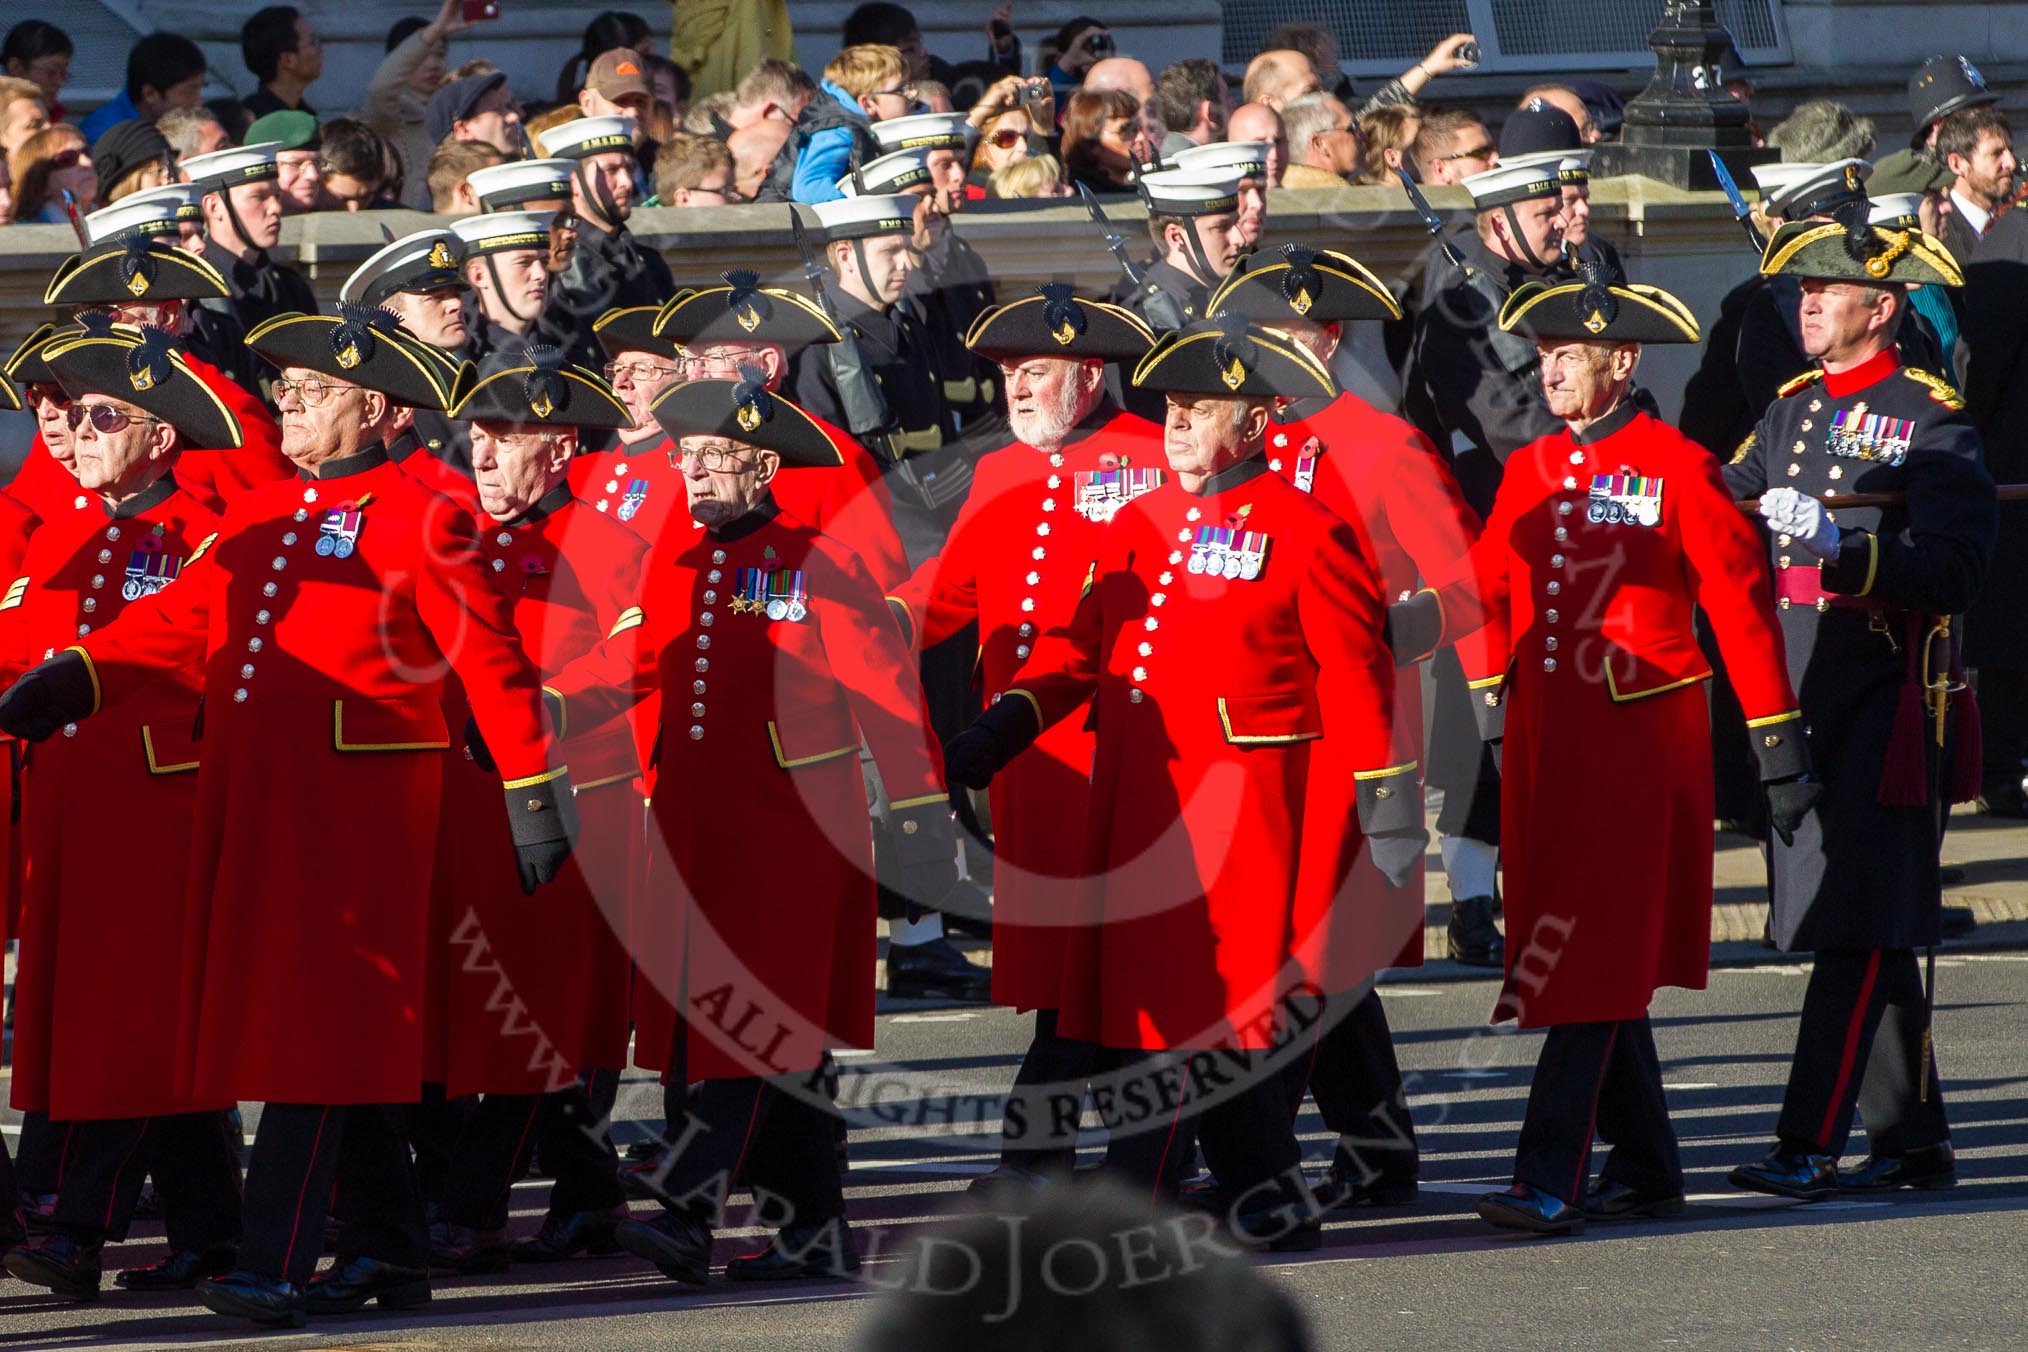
(1978, 218)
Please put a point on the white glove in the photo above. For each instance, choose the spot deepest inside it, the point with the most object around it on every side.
(1802, 519)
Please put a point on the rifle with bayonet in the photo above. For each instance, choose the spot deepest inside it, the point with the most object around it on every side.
(1159, 306)
(1430, 220)
(1741, 212)
(865, 410)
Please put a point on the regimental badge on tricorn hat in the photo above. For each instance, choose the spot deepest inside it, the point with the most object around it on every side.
(155, 212)
(745, 411)
(1054, 322)
(1852, 249)
(535, 383)
(144, 367)
(428, 260)
(925, 131)
(1300, 282)
(631, 328)
(743, 311)
(503, 187)
(362, 345)
(134, 268)
(1600, 306)
(1226, 355)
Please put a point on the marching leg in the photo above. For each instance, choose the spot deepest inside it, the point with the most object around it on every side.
(383, 1248)
(195, 1163)
(288, 1191)
(1643, 1173)
(102, 1168)
(585, 1200)
(1552, 1159)
(1907, 1131)
(1356, 1081)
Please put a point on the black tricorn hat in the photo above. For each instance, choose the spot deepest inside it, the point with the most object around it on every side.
(743, 311)
(533, 383)
(144, 367)
(1300, 282)
(365, 345)
(1054, 322)
(138, 268)
(1852, 249)
(744, 411)
(632, 328)
(28, 364)
(1600, 306)
(1227, 355)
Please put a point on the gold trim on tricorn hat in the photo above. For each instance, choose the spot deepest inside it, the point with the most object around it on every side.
(1297, 281)
(1056, 322)
(134, 268)
(145, 367)
(364, 345)
(1601, 306)
(1850, 249)
(535, 383)
(1226, 355)
(743, 311)
(747, 412)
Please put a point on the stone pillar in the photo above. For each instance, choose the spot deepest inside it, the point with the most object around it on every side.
(1685, 111)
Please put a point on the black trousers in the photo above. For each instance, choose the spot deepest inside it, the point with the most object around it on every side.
(769, 1133)
(1356, 1081)
(195, 1163)
(1232, 1109)
(301, 1153)
(1860, 1045)
(494, 1148)
(12, 1228)
(39, 1163)
(1039, 1126)
(2003, 721)
(1603, 1079)
(433, 1123)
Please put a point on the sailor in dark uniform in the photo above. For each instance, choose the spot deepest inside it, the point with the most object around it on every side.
(1867, 597)
(1194, 223)
(609, 269)
(1537, 134)
(242, 221)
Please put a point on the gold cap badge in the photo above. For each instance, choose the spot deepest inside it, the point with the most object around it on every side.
(749, 416)
(1235, 375)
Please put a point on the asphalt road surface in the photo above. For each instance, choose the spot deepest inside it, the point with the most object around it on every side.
(1739, 1272)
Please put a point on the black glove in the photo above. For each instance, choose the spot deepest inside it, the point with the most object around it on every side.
(1396, 855)
(1788, 802)
(542, 818)
(1414, 628)
(925, 853)
(997, 736)
(475, 743)
(61, 690)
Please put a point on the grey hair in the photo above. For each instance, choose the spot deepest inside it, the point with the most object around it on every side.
(1304, 118)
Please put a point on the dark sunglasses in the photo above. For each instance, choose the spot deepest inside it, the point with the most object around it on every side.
(66, 159)
(1008, 139)
(104, 417)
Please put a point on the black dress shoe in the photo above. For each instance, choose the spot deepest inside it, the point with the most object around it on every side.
(465, 1251)
(1930, 1169)
(180, 1271)
(1955, 922)
(566, 1234)
(249, 1295)
(935, 971)
(1474, 940)
(643, 1178)
(1522, 1207)
(2003, 798)
(678, 1245)
(67, 1265)
(1008, 1180)
(1805, 1177)
(1341, 1189)
(800, 1251)
(1278, 1230)
(347, 1287)
(1609, 1201)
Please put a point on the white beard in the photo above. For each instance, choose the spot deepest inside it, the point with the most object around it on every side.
(1046, 428)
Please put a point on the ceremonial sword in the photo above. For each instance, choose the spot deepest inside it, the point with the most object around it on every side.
(2004, 493)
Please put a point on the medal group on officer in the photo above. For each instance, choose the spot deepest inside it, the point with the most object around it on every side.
(529, 572)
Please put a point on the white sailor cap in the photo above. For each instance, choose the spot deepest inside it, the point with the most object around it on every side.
(925, 131)
(1819, 189)
(1571, 166)
(428, 260)
(158, 211)
(588, 136)
(238, 164)
(1897, 211)
(502, 187)
(1190, 192)
(1248, 159)
(503, 231)
(865, 217)
(888, 175)
(1509, 183)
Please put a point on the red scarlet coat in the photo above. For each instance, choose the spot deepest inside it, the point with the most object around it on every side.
(1383, 478)
(760, 923)
(213, 477)
(1607, 763)
(1000, 568)
(324, 740)
(1232, 717)
(104, 912)
(535, 989)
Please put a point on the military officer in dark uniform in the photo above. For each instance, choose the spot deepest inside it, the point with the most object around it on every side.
(609, 269)
(1475, 391)
(242, 221)
(1867, 596)
(927, 475)
(420, 280)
